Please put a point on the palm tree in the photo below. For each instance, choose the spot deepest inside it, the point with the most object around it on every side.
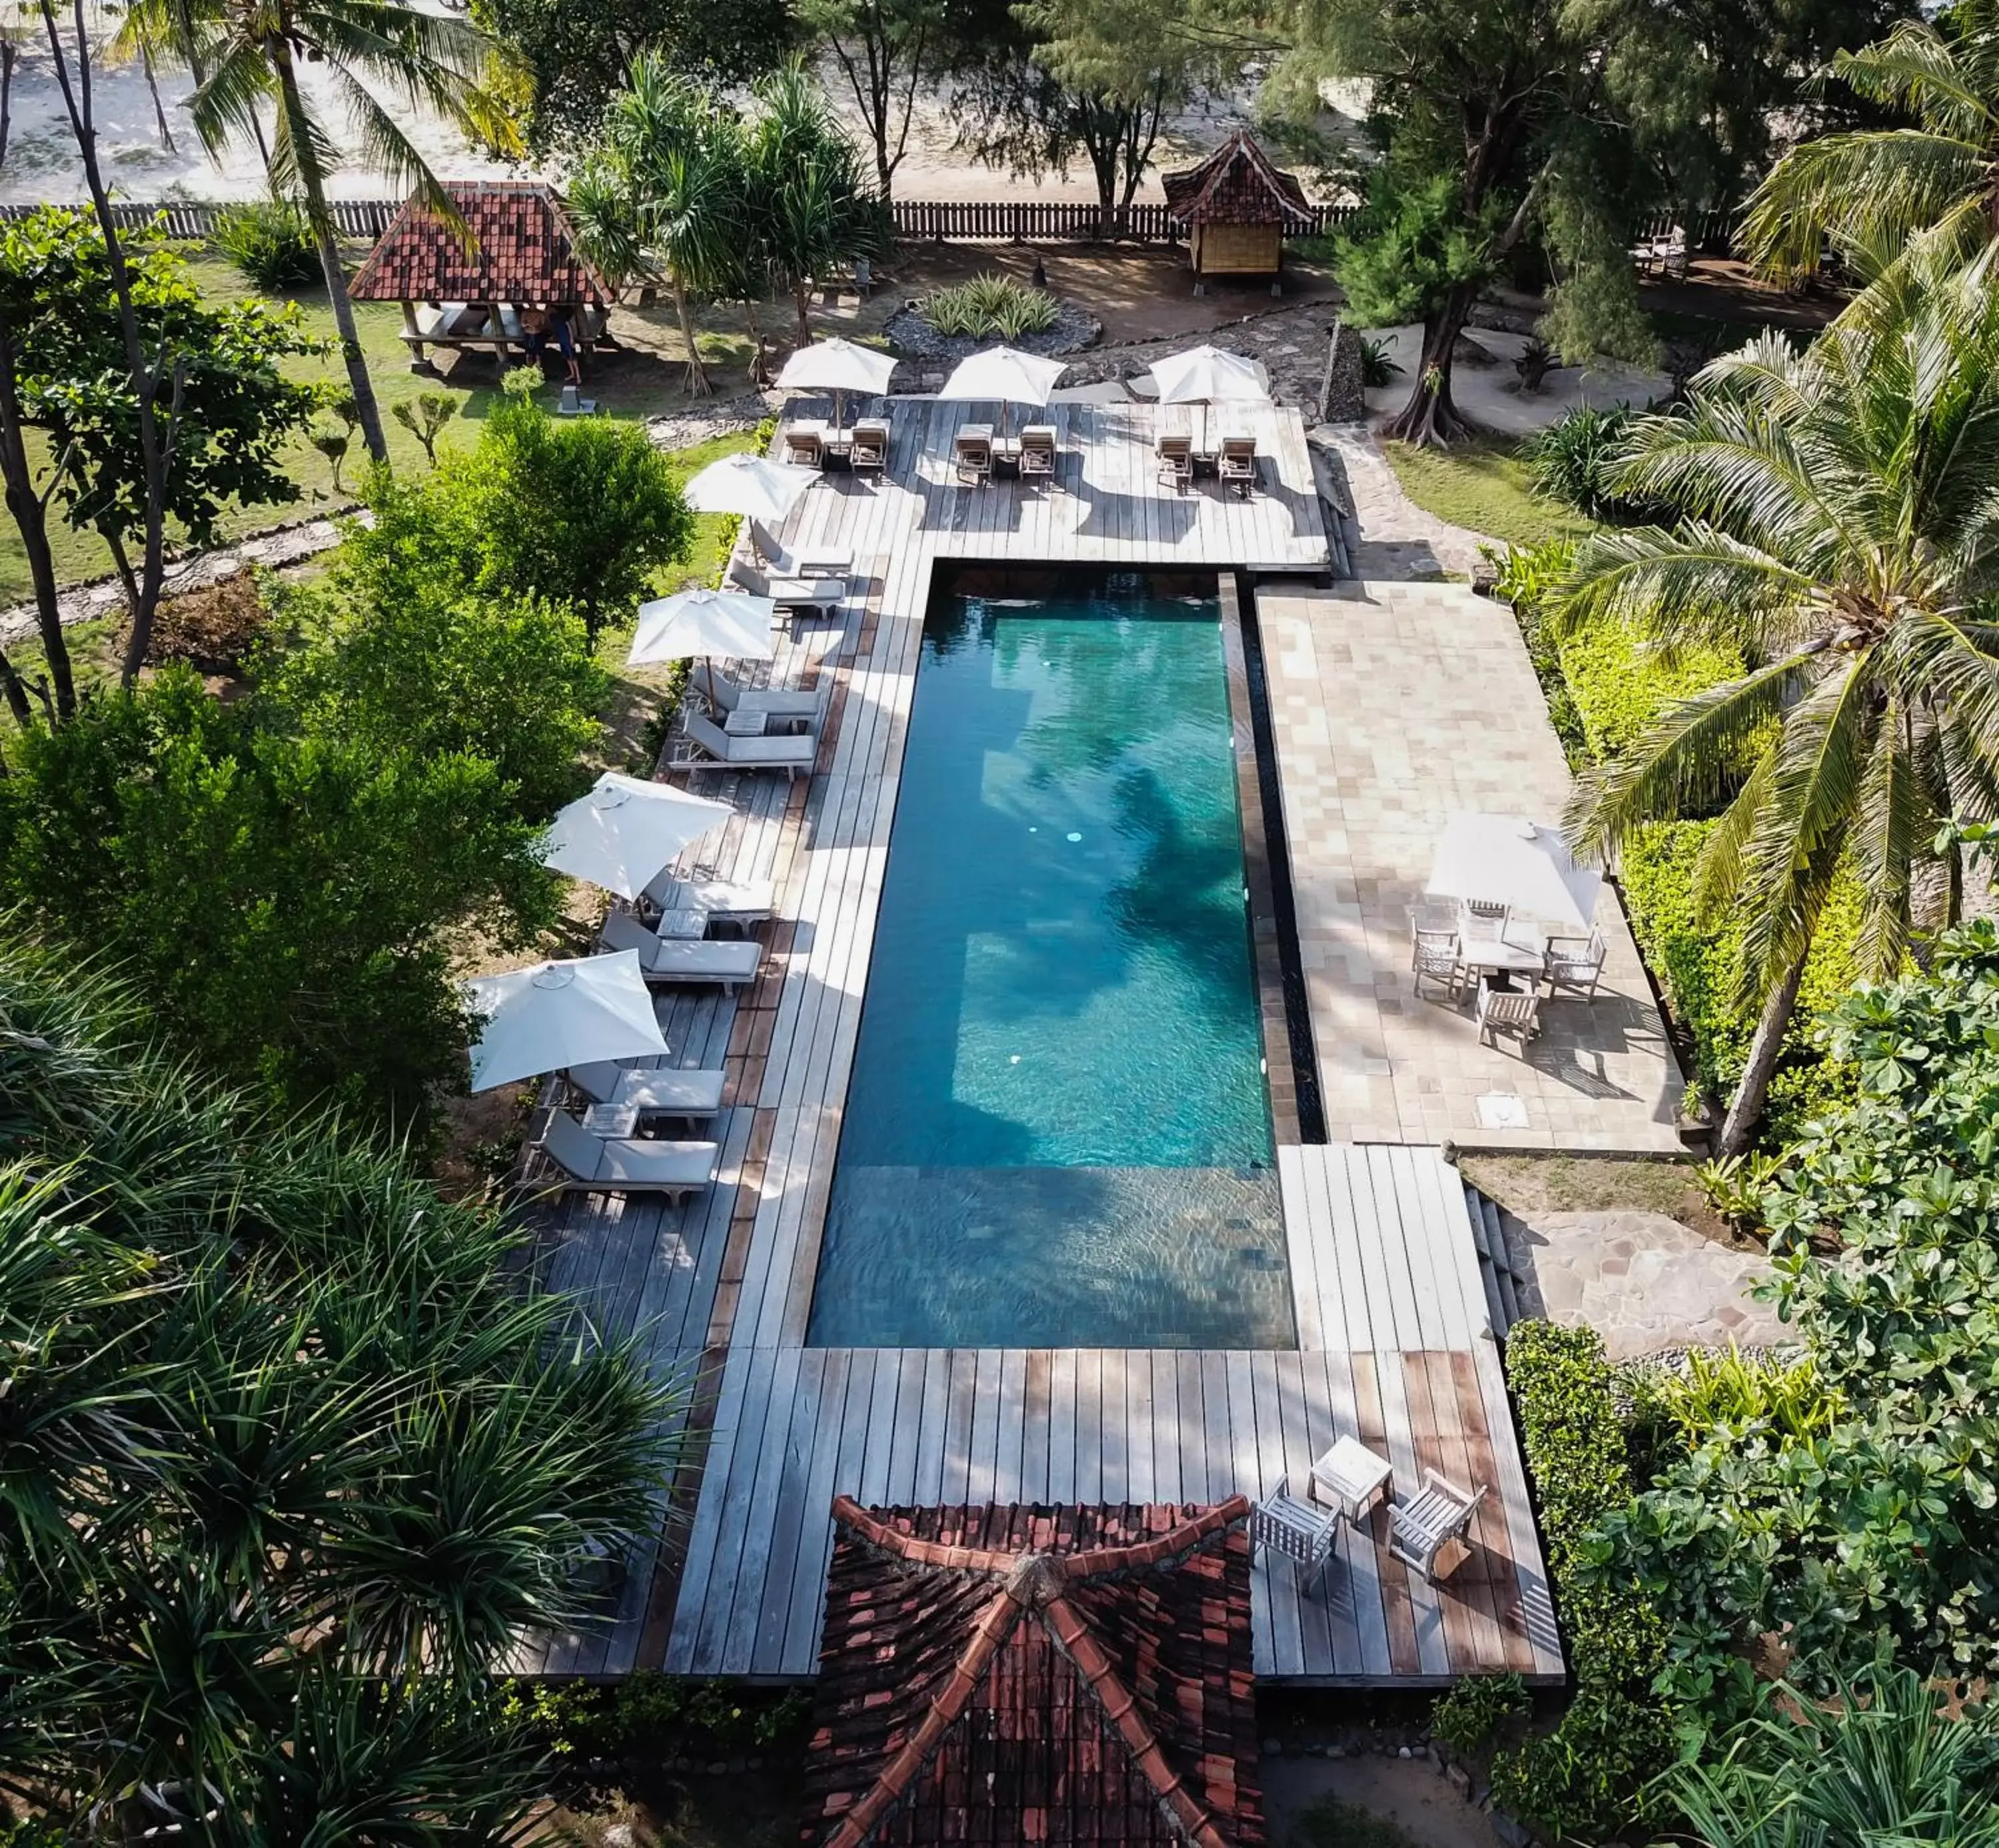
(1895, 1757)
(1872, 190)
(250, 51)
(662, 191)
(1840, 530)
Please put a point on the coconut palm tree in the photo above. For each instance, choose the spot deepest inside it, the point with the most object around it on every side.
(1871, 190)
(1840, 529)
(250, 50)
(662, 192)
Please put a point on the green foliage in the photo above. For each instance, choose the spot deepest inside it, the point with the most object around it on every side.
(236, 409)
(1522, 578)
(271, 243)
(650, 1712)
(1576, 458)
(1622, 682)
(992, 304)
(1378, 368)
(1586, 1777)
(1477, 1710)
(286, 893)
(1862, 1530)
(291, 1458)
(424, 417)
(1409, 250)
(1332, 1824)
(1728, 1395)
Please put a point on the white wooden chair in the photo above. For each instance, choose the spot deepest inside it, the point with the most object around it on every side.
(1433, 958)
(1419, 1528)
(1485, 917)
(1575, 964)
(1508, 1011)
(1297, 1531)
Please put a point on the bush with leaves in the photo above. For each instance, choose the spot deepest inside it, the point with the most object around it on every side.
(991, 305)
(1586, 1777)
(1867, 1535)
(291, 1458)
(270, 242)
(1576, 460)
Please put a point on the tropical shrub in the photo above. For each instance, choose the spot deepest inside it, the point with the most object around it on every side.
(990, 305)
(1861, 1529)
(291, 1458)
(645, 1710)
(1522, 577)
(1576, 459)
(1621, 683)
(1477, 1710)
(1584, 1778)
(271, 243)
(1378, 364)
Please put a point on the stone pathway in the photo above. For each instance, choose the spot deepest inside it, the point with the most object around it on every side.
(1645, 1282)
(1398, 538)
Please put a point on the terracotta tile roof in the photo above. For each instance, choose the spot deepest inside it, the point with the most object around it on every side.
(524, 251)
(1236, 184)
(1031, 1675)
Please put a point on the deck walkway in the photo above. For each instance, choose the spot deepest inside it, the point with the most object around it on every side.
(722, 1286)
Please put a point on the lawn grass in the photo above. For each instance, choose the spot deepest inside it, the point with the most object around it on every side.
(1484, 486)
(643, 381)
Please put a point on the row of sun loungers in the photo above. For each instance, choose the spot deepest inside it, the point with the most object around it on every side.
(974, 447)
(1234, 462)
(810, 442)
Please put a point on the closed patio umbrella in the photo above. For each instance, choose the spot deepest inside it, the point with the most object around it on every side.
(838, 366)
(624, 833)
(559, 1014)
(753, 486)
(1003, 375)
(1509, 859)
(1207, 375)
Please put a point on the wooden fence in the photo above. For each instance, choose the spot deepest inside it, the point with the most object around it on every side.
(193, 218)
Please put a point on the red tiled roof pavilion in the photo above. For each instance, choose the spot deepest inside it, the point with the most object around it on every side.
(524, 251)
(1036, 1675)
(1237, 184)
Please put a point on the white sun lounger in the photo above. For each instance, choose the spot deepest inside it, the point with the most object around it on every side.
(787, 751)
(657, 1091)
(726, 901)
(815, 594)
(683, 959)
(625, 1165)
(779, 702)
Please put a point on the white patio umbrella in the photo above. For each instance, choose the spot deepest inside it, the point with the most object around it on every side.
(731, 624)
(753, 486)
(1206, 375)
(1509, 859)
(556, 1015)
(1003, 375)
(625, 832)
(838, 366)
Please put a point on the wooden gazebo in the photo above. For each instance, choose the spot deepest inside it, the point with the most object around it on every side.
(1236, 208)
(465, 288)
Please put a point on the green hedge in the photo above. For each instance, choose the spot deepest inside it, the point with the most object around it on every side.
(1585, 1777)
(1621, 684)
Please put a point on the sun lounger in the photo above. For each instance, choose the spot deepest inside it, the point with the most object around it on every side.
(814, 593)
(683, 959)
(972, 453)
(787, 751)
(779, 702)
(1176, 454)
(654, 1091)
(726, 901)
(805, 442)
(625, 1163)
(783, 563)
(869, 451)
(1037, 451)
(1237, 467)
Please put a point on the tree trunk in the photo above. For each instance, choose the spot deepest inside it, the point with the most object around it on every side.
(31, 517)
(367, 414)
(697, 379)
(802, 299)
(10, 55)
(159, 108)
(1431, 419)
(1745, 1111)
(17, 691)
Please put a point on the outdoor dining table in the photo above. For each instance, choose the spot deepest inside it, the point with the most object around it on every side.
(1501, 955)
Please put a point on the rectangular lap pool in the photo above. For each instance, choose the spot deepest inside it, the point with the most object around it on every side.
(1057, 1131)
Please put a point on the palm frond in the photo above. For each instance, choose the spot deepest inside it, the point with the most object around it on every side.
(1870, 189)
(1696, 584)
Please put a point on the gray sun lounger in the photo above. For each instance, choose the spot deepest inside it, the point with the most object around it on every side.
(789, 593)
(652, 1091)
(779, 702)
(726, 901)
(683, 959)
(625, 1163)
(787, 751)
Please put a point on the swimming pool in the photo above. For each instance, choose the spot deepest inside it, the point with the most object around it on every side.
(1057, 1130)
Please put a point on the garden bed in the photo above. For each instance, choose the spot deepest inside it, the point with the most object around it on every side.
(912, 336)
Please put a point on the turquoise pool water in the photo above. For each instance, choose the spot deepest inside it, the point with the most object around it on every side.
(1057, 1131)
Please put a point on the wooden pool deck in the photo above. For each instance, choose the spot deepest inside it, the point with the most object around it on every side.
(1389, 1304)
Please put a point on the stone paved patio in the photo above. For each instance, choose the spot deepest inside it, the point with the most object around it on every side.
(1394, 704)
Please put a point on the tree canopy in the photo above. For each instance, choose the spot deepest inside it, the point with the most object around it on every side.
(290, 1456)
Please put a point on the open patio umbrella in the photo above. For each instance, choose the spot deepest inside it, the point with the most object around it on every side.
(838, 366)
(560, 1014)
(1207, 375)
(1509, 859)
(1003, 375)
(731, 624)
(625, 830)
(753, 486)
